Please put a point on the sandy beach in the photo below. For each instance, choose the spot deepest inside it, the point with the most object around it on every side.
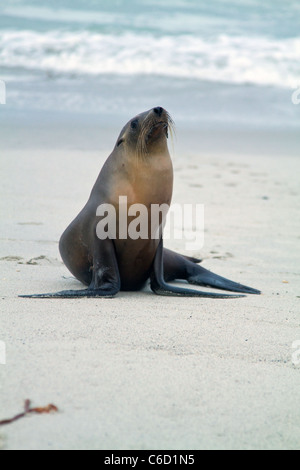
(142, 371)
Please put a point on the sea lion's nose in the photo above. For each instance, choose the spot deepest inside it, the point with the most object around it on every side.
(158, 111)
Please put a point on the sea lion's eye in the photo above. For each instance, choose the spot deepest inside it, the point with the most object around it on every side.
(134, 124)
(120, 142)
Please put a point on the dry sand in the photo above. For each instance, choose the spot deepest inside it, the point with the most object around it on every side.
(142, 371)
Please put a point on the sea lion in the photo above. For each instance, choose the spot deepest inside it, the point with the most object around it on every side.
(140, 169)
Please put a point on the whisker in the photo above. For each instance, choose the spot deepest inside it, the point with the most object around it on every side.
(149, 123)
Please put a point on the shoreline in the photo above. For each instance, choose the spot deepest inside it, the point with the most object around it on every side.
(37, 129)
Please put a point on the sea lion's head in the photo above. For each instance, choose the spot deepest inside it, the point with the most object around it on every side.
(146, 133)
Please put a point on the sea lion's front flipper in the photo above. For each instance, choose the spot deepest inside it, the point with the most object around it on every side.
(106, 278)
(74, 294)
(161, 287)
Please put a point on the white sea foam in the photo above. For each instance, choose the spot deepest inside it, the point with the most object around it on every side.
(237, 60)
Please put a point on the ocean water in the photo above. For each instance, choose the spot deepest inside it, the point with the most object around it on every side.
(218, 62)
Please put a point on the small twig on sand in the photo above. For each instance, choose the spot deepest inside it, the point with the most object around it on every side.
(27, 410)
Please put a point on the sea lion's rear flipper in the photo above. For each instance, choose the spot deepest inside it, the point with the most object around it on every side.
(202, 277)
(106, 278)
(161, 287)
(180, 267)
